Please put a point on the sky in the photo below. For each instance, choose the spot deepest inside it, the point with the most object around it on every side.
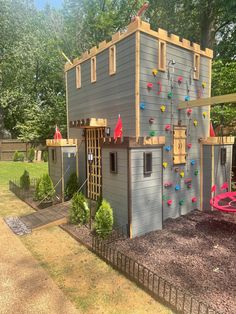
(54, 3)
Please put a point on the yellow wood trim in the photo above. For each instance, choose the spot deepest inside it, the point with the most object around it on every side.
(196, 66)
(209, 92)
(154, 140)
(208, 101)
(144, 27)
(93, 67)
(218, 140)
(77, 162)
(78, 76)
(201, 176)
(137, 85)
(62, 142)
(162, 55)
(67, 106)
(112, 60)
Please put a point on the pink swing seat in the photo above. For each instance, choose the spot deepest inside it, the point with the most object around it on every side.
(225, 202)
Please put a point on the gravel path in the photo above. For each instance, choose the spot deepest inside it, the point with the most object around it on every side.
(24, 286)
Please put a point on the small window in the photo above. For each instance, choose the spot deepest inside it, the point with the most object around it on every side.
(54, 155)
(162, 56)
(179, 145)
(113, 163)
(93, 70)
(223, 156)
(196, 66)
(78, 76)
(112, 60)
(147, 163)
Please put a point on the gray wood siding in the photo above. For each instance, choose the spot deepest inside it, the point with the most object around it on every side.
(69, 162)
(146, 192)
(115, 186)
(109, 95)
(222, 173)
(152, 101)
(207, 176)
(55, 168)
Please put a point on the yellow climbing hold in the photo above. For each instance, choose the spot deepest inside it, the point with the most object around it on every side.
(154, 72)
(204, 114)
(165, 164)
(204, 84)
(181, 174)
(195, 123)
(163, 108)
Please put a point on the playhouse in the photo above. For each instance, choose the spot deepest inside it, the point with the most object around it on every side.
(164, 163)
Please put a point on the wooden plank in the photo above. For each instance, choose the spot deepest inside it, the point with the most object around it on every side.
(137, 85)
(229, 98)
(218, 140)
(62, 142)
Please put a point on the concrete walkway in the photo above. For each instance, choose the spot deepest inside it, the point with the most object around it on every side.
(25, 287)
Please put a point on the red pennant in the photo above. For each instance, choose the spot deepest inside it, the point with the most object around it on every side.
(212, 132)
(213, 189)
(224, 186)
(57, 135)
(118, 132)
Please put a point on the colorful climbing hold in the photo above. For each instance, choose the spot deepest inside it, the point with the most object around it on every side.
(154, 72)
(189, 185)
(188, 180)
(195, 122)
(152, 133)
(194, 200)
(169, 202)
(189, 111)
(142, 106)
(187, 98)
(204, 84)
(204, 114)
(170, 95)
(168, 127)
(189, 145)
(180, 80)
(224, 186)
(160, 87)
(181, 174)
(168, 184)
(149, 85)
(164, 197)
(165, 164)
(193, 162)
(181, 202)
(196, 172)
(168, 148)
(177, 187)
(163, 108)
(151, 120)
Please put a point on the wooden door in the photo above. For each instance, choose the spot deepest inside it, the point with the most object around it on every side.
(94, 171)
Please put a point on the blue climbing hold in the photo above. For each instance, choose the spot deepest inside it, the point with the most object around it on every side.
(177, 187)
(193, 162)
(167, 148)
(142, 106)
(187, 98)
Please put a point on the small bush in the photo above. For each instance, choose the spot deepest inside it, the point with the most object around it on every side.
(25, 180)
(16, 156)
(36, 194)
(30, 154)
(44, 188)
(79, 211)
(21, 156)
(72, 186)
(104, 220)
(45, 156)
(99, 202)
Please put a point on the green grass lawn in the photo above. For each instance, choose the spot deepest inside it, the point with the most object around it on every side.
(13, 170)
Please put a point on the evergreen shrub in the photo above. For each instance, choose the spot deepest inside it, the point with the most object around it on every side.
(21, 156)
(79, 210)
(104, 220)
(45, 156)
(44, 189)
(25, 180)
(30, 154)
(16, 156)
(72, 186)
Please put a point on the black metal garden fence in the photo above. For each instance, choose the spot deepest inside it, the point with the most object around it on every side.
(14, 186)
(159, 288)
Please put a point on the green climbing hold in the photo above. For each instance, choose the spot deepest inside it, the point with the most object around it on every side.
(152, 133)
(170, 95)
(165, 198)
(181, 202)
(196, 172)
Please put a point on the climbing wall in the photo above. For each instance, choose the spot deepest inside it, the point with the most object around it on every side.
(160, 93)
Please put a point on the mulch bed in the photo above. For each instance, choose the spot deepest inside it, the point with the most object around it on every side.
(195, 252)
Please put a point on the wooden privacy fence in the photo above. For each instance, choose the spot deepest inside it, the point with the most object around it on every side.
(159, 288)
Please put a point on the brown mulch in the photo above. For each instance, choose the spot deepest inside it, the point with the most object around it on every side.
(195, 252)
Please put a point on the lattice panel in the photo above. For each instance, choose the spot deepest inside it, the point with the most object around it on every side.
(94, 171)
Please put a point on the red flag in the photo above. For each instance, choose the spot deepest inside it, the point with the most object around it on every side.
(57, 135)
(212, 132)
(118, 132)
(224, 186)
(213, 189)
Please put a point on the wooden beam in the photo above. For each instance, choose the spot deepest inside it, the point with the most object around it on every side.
(208, 101)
